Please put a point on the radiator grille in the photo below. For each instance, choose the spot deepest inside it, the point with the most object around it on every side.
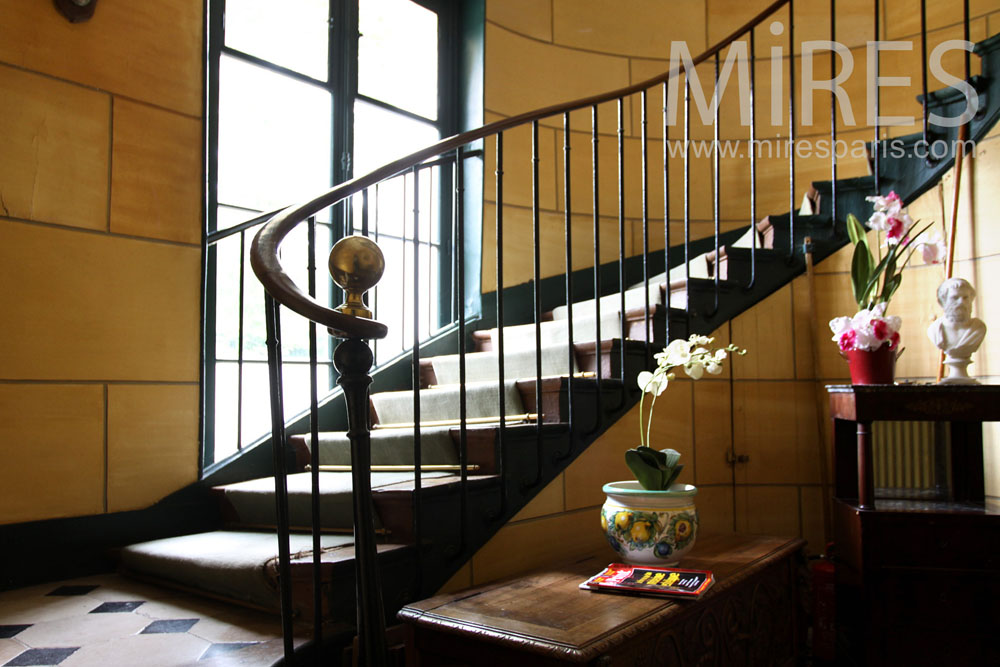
(910, 459)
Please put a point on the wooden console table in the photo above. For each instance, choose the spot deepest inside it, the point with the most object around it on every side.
(750, 616)
(917, 577)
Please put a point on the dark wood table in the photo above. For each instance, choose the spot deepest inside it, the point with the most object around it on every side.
(751, 616)
(917, 577)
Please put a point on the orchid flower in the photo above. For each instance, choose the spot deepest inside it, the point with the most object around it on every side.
(694, 355)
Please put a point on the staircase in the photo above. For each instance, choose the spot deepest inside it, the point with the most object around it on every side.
(527, 392)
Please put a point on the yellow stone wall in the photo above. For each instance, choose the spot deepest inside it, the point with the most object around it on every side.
(100, 232)
(773, 406)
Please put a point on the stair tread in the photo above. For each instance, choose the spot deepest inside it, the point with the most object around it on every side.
(252, 502)
(231, 563)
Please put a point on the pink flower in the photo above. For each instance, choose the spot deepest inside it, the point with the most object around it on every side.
(895, 232)
(881, 329)
(893, 340)
(847, 340)
(893, 198)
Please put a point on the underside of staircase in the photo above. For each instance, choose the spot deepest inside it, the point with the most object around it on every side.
(427, 531)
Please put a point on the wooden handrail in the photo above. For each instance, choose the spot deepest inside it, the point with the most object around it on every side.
(264, 250)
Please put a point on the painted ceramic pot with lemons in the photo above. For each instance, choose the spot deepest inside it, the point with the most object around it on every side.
(648, 527)
(652, 520)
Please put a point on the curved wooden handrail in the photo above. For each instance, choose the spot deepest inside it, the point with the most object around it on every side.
(264, 250)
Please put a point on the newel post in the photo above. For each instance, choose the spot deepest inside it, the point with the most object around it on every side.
(356, 264)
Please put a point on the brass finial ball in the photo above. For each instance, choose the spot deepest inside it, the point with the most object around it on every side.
(356, 264)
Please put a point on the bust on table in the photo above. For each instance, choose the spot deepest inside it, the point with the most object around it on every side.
(957, 333)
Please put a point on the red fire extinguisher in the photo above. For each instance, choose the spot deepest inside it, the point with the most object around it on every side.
(824, 609)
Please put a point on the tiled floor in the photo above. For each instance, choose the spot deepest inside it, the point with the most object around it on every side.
(109, 620)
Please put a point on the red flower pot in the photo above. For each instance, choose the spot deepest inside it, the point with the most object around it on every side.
(872, 366)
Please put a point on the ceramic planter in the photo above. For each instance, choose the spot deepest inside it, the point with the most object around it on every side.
(872, 366)
(649, 527)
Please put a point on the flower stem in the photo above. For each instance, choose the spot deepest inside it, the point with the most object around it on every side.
(641, 399)
(649, 422)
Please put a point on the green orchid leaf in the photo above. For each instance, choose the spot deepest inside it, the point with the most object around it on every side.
(669, 480)
(645, 469)
(672, 456)
(876, 275)
(856, 231)
(891, 285)
(860, 272)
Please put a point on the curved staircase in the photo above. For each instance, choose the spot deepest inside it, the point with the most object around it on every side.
(487, 445)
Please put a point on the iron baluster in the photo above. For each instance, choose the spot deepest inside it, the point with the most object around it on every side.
(500, 351)
(925, 128)
(239, 345)
(752, 150)
(715, 185)
(666, 212)
(621, 236)
(597, 262)
(570, 361)
(463, 444)
(833, 118)
(536, 266)
(791, 129)
(876, 149)
(687, 203)
(273, 324)
(415, 356)
(644, 180)
(314, 461)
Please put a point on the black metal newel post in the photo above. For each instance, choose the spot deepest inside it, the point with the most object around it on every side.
(353, 359)
(356, 264)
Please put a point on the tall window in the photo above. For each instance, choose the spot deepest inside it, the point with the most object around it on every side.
(303, 95)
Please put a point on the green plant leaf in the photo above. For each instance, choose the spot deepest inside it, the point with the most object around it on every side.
(875, 275)
(653, 469)
(856, 231)
(646, 472)
(668, 480)
(891, 285)
(672, 456)
(860, 272)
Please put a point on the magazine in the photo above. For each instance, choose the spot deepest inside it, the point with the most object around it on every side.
(653, 581)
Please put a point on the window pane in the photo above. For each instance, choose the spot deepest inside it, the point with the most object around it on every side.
(290, 34)
(397, 55)
(381, 136)
(274, 138)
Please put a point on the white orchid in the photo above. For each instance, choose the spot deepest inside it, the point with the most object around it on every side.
(693, 355)
(932, 247)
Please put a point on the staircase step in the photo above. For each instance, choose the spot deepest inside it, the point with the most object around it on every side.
(396, 502)
(586, 357)
(442, 403)
(636, 328)
(519, 362)
(251, 503)
(388, 446)
(738, 263)
(236, 565)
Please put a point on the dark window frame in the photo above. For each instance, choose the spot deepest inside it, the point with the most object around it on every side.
(459, 37)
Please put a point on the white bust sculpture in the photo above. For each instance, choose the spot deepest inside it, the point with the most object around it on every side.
(956, 332)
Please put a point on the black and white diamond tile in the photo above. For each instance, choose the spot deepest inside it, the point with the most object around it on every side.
(110, 620)
(42, 656)
(8, 631)
(118, 607)
(171, 625)
(215, 650)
